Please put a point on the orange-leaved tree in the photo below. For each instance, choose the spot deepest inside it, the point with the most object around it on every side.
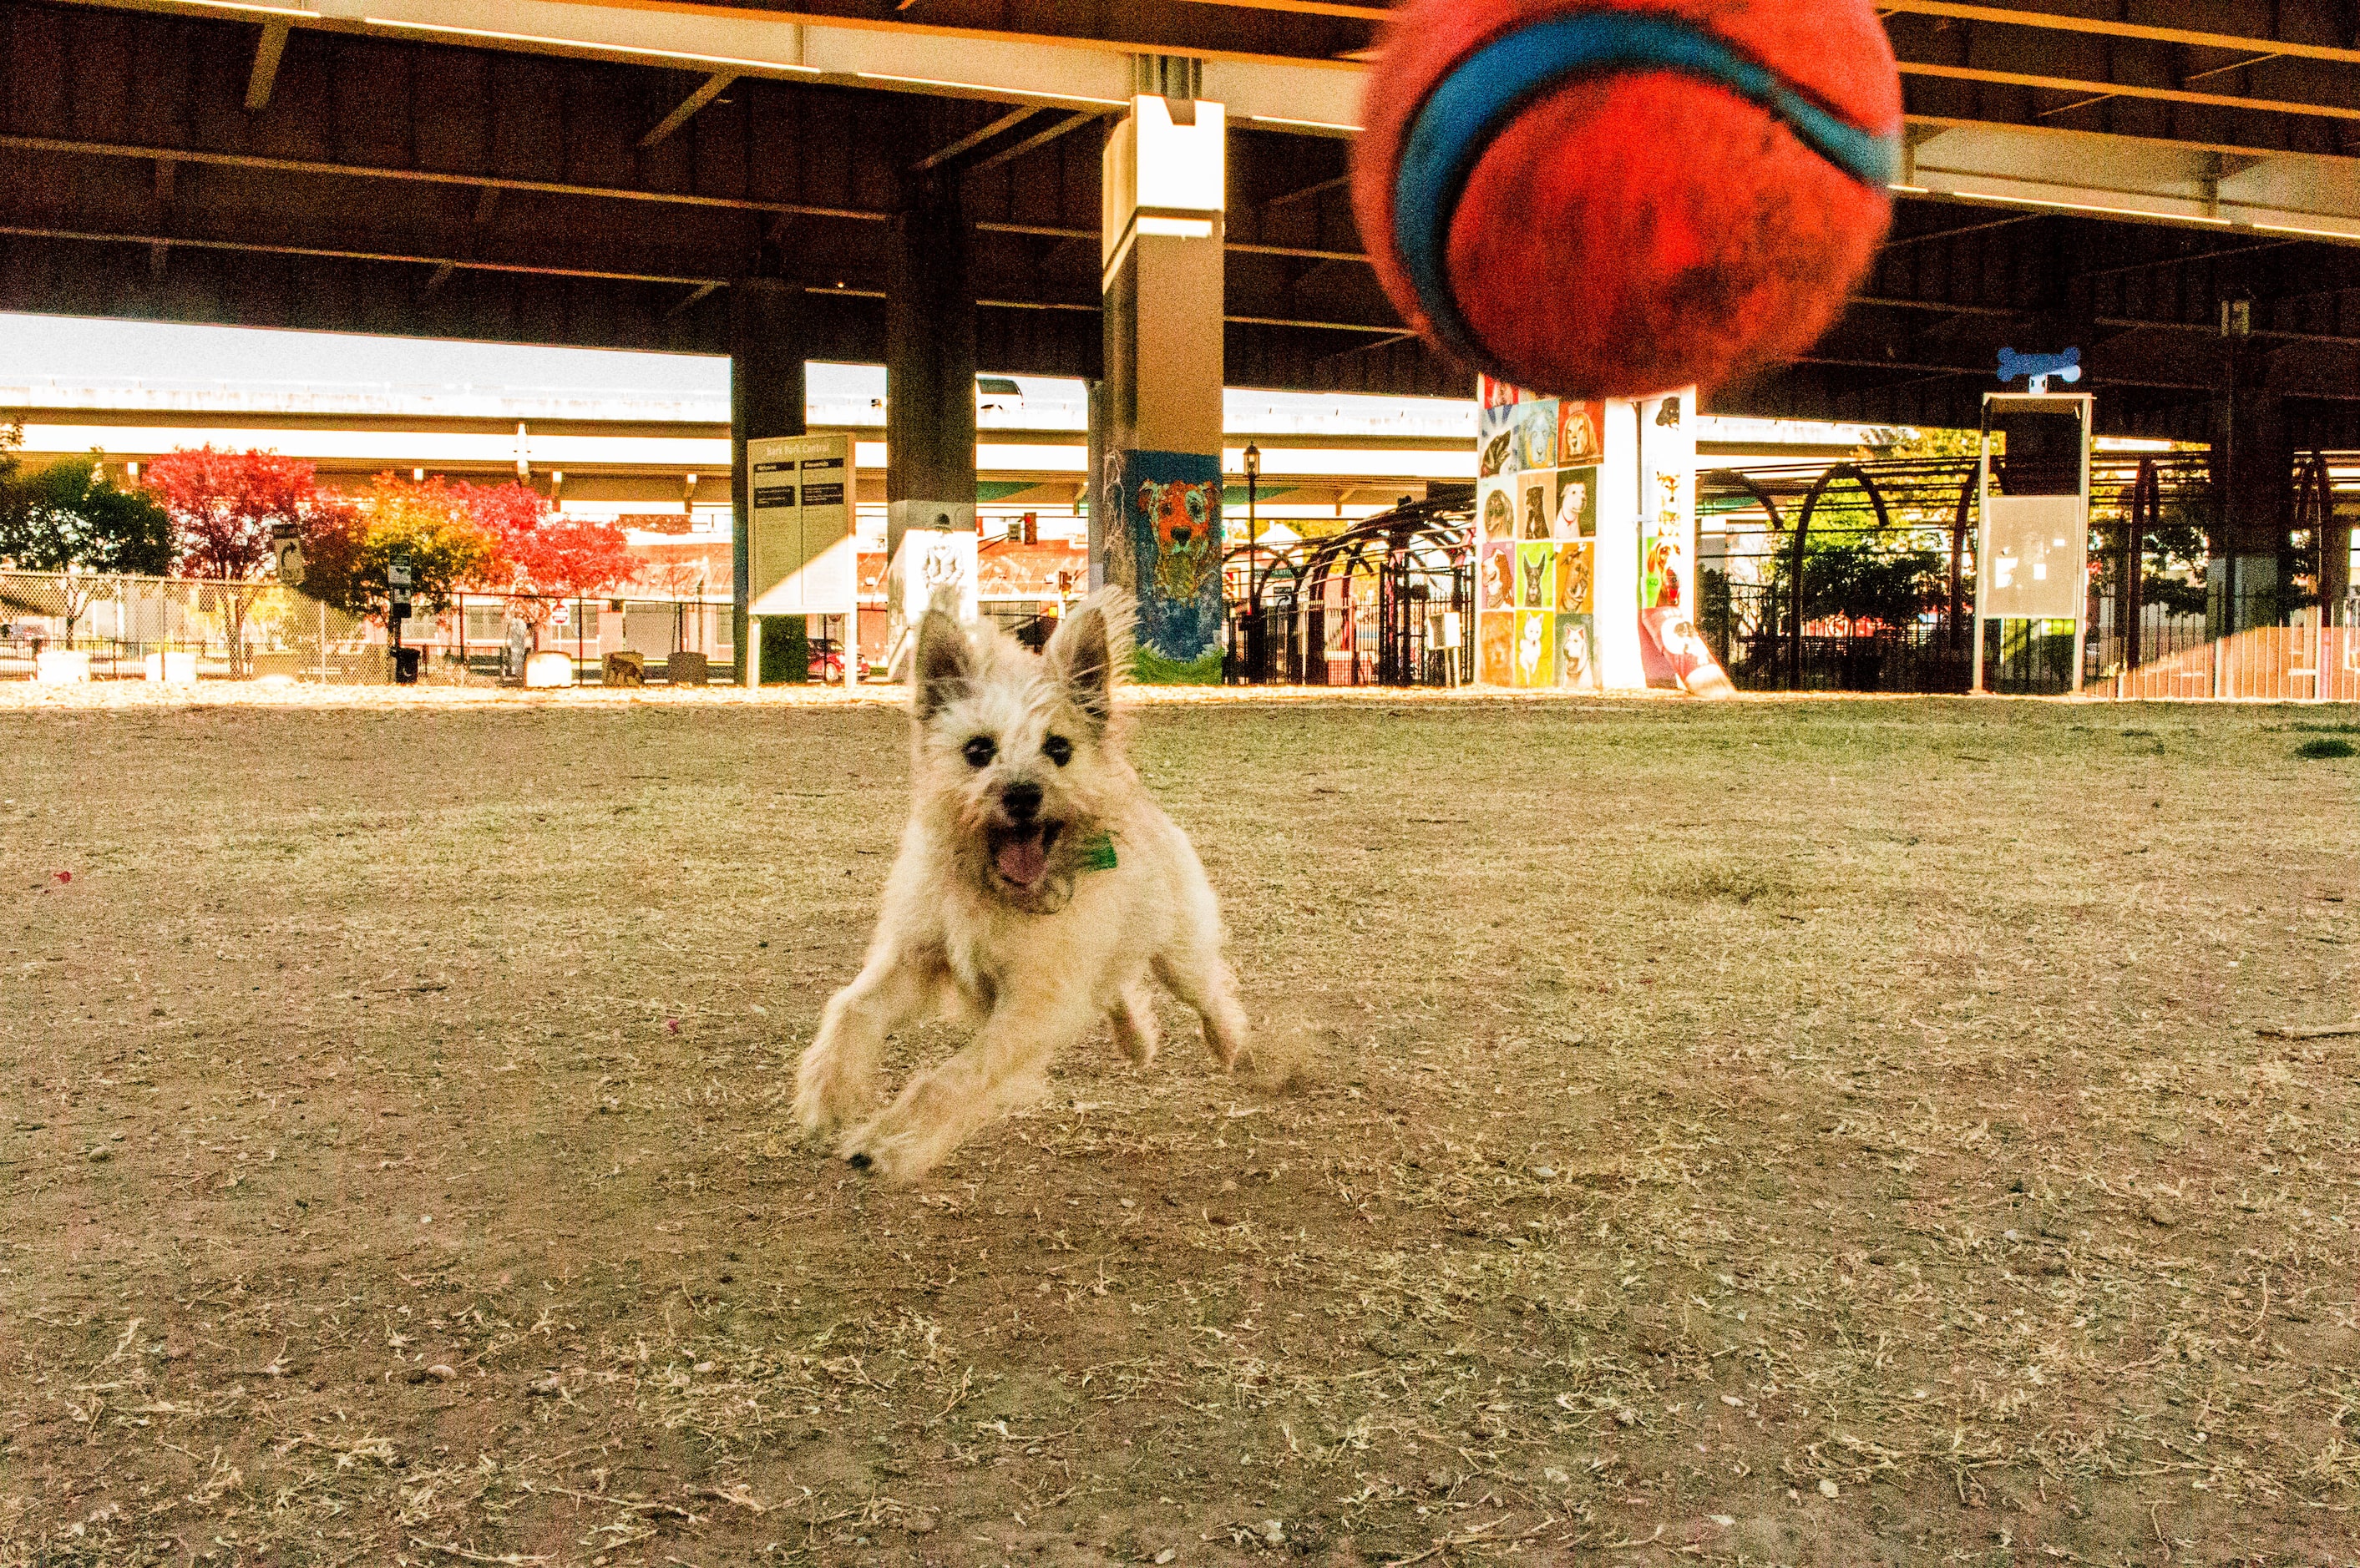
(425, 526)
(224, 508)
(549, 557)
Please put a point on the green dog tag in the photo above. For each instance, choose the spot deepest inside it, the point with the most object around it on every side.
(1098, 854)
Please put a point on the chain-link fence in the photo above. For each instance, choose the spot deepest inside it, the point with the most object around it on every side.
(71, 626)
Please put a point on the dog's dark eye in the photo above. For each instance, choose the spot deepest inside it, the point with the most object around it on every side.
(980, 751)
(1058, 749)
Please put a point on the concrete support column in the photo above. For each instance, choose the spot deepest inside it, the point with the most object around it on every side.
(767, 330)
(929, 365)
(1100, 486)
(2252, 469)
(1156, 529)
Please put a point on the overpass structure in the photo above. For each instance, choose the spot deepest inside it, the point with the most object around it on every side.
(955, 185)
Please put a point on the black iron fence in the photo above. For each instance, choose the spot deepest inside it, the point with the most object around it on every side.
(1387, 602)
(1860, 577)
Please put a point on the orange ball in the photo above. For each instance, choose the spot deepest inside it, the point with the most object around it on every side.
(1619, 198)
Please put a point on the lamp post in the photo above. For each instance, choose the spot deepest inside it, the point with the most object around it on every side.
(1253, 496)
(1253, 563)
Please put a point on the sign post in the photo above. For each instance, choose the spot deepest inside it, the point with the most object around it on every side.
(2032, 556)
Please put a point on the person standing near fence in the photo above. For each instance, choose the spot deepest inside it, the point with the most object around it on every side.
(519, 649)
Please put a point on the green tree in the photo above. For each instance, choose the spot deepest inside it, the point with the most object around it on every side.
(70, 522)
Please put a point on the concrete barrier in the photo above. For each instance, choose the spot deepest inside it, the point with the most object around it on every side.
(549, 669)
(56, 667)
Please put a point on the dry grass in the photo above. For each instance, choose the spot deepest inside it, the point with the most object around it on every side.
(1777, 1134)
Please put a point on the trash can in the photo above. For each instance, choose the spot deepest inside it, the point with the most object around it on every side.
(405, 665)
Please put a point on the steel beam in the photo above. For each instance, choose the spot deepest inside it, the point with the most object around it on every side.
(1040, 139)
(715, 86)
(975, 138)
(2100, 91)
(435, 177)
(268, 52)
(2101, 26)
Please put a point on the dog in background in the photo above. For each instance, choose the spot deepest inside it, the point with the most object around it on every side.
(1038, 889)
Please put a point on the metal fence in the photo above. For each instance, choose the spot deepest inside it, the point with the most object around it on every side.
(1860, 577)
(74, 626)
(1388, 602)
(113, 626)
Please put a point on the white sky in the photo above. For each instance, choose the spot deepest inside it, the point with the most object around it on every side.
(69, 352)
(69, 349)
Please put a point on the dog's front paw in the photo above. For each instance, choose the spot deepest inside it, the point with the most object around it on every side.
(827, 1095)
(895, 1155)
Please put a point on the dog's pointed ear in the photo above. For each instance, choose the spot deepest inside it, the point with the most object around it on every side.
(1091, 647)
(944, 664)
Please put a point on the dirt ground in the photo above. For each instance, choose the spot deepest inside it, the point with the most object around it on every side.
(1781, 1133)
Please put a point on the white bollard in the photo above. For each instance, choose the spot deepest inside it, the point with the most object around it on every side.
(56, 667)
(545, 670)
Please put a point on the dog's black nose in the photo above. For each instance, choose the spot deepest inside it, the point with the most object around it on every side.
(1022, 800)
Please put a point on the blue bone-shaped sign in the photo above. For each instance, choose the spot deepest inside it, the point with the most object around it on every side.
(2037, 370)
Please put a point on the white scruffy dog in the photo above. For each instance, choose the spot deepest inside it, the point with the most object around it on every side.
(1036, 890)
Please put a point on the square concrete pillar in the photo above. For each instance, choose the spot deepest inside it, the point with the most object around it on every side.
(1156, 528)
(767, 330)
(2253, 473)
(929, 365)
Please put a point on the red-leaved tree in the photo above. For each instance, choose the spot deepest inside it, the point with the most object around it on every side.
(552, 558)
(224, 506)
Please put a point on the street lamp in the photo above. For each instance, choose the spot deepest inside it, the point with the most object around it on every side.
(1253, 563)
(1253, 496)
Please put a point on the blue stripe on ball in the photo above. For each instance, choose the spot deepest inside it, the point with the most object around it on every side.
(1491, 86)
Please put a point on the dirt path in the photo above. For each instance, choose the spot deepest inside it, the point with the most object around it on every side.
(1784, 1133)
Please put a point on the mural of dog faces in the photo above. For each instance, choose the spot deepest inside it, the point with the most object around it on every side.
(1535, 664)
(1170, 511)
(1538, 432)
(1577, 504)
(1498, 510)
(1536, 499)
(1535, 576)
(1577, 659)
(1581, 429)
(1184, 557)
(1496, 652)
(1496, 576)
(1576, 572)
(1497, 446)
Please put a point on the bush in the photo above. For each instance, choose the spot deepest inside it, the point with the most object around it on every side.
(786, 651)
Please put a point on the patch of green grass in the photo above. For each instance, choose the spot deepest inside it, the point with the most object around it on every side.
(2324, 749)
(1151, 668)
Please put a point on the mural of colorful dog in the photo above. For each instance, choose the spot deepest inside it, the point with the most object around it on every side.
(1168, 552)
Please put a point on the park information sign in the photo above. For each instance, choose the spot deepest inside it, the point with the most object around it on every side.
(801, 552)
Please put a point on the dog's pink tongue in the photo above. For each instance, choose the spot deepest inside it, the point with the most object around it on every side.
(1024, 861)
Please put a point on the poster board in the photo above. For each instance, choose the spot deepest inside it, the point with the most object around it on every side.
(1584, 541)
(802, 557)
(2036, 565)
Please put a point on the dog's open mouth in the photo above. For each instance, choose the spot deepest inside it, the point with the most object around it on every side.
(1020, 854)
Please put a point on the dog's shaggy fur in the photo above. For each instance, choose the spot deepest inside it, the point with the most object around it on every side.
(996, 909)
